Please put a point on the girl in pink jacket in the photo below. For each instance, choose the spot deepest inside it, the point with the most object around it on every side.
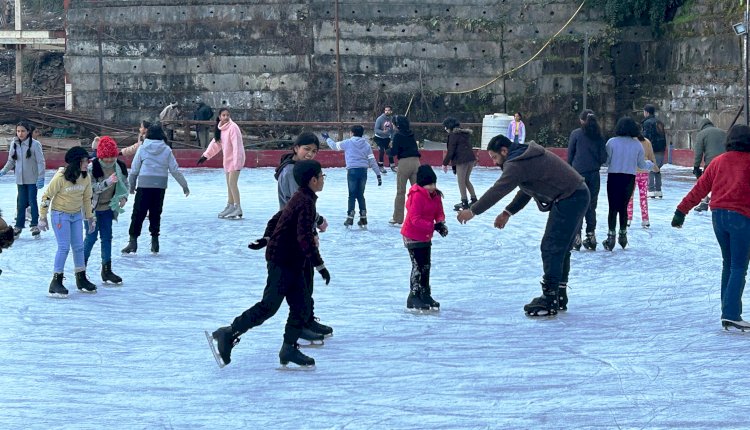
(228, 139)
(424, 216)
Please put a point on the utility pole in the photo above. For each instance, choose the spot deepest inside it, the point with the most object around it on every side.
(19, 54)
(585, 69)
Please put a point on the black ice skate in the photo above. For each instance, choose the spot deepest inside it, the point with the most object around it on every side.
(738, 324)
(590, 242)
(577, 242)
(315, 339)
(414, 301)
(464, 204)
(291, 353)
(349, 219)
(56, 288)
(35, 232)
(622, 238)
(362, 223)
(154, 244)
(544, 305)
(317, 327)
(83, 284)
(427, 299)
(221, 341)
(702, 207)
(609, 243)
(562, 297)
(108, 275)
(132, 246)
(382, 169)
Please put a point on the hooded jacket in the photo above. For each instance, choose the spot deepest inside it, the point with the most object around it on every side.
(538, 173)
(585, 154)
(152, 164)
(286, 186)
(357, 153)
(709, 143)
(230, 145)
(459, 148)
(27, 170)
(424, 209)
(100, 184)
(404, 145)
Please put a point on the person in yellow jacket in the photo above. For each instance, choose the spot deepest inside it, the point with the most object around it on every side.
(69, 196)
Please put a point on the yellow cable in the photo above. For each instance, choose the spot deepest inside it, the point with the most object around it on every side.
(527, 61)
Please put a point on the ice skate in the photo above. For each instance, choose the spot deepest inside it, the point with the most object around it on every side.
(394, 169)
(154, 244)
(108, 276)
(315, 339)
(609, 243)
(414, 301)
(562, 297)
(132, 246)
(659, 194)
(235, 213)
(35, 233)
(738, 324)
(393, 222)
(464, 204)
(630, 221)
(317, 327)
(16, 232)
(349, 219)
(221, 341)
(382, 169)
(544, 305)
(645, 224)
(226, 210)
(702, 207)
(291, 353)
(590, 241)
(622, 238)
(427, 299)
(56, 288)
(652, 194)
(577, 242)
(362, 223)
(83, 284)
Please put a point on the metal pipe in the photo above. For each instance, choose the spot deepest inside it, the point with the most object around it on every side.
(101, 77)
(338, 68)
(585, 70)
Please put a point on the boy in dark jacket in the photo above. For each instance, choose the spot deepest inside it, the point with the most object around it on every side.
(290, 246)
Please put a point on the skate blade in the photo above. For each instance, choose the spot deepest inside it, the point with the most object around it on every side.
(312, 344)
(111, 284)
(57, 296)
(87, 291)
(214, 351)
(430, 311)
(291, 367)
(540, 314)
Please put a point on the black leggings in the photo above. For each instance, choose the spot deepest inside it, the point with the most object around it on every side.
(420, 268)
(619, 189)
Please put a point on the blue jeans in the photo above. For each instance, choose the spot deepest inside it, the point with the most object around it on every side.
(103, 230)
(654, 178)
(356, 179)
(732, 231)
(26, 197)
(69, 234)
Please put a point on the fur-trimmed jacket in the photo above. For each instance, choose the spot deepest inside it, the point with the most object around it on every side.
(459, 147)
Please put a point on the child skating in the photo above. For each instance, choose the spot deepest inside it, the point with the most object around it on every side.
(6, 235)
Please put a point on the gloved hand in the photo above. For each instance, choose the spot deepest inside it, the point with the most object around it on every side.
(325, 274)
(697, 172)
(678, 219)
(112, 179)
(325, 135)
(258, 244)
(441, 228)
(43, 226)
(92, 224)
(40, 183)
(380, 180)
(201, 161)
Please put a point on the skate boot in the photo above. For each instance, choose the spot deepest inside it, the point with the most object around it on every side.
(382, 169)
(702, 207)
(108, 276)
(590, 241)
(225, 339)
(311, 336)
(652, 194)
(83, 284)
(544, 305)
(659, 194)
(317, 327)
(349, 219)
(394, 169)
(56, 288)
(414, 301)
(461, 206)
(132, 246)
(622, 238)
(646, 224)
(235, 213)
(362, 223)
(738, 324)
(35, 232)
(562, 296)
(290, 352)
(473, 200)
(577, 242)
(630, 222)
(427, 299)
(226, 210)
(16, 232)
(609, 243)
(155, 244)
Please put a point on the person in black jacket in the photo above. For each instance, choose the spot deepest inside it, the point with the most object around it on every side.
(586, 153)
(653, 130)
(203, 112)
(291, 245)
(460, 154)
(405, 149)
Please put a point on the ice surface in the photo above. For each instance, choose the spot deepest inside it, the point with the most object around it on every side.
(640, 347)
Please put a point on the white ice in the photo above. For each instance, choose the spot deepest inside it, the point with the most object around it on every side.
(640, 347)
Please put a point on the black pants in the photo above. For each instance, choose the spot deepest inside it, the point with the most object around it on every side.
(147, 201)
(563, 223)
(420, 268)
(593, 182)
(309, 272)
(383, 143)
(282, 283)
(619, 189)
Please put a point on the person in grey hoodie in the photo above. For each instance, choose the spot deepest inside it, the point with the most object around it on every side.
(26, 158)
(383, 136)
(709, 143)
(358, 155)
(148, 180)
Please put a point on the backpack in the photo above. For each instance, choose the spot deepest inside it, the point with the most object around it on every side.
(660, 138)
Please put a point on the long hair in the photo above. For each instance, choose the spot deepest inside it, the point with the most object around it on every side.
(217, 132)
(450, 123)
(73, 171)
(30, 128)
(626, 126)
(590, 125)
(402, 123)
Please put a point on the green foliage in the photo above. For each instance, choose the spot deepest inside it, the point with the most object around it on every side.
(644, 12)
(39, 6)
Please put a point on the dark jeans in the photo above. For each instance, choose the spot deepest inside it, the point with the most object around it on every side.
(654, 178)
(26, 197)
(420, 268)
(356, 179)
(383, 143)
(562, 225)
(103, 230)
(732, 231)
(593, 183)
(619, 189)
(147, 201)
(282, 283)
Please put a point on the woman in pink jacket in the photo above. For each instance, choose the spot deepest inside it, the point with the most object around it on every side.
(228, 139)
(424, 216)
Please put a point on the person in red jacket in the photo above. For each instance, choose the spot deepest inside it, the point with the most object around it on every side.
(424, 216)
(727, 178)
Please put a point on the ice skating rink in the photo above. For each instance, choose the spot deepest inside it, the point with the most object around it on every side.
(640, 347)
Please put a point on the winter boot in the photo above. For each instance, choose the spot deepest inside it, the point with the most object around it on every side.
(83, 284)
(609, 243)
(56, 288)
(577, 242)
(317, 327)
(155, 244)
(35, 232)
(426, 298)
(590, 241)
(226, 210)
(349, 219)
(290, 352)
(311, 336)
(544, 305)
(108, 276)
(235, 213)
(382, 169)
(132, 245)
(225, 339)
(362, 223)
(622, 238)
(461, 206)
(562, 296)
(414, 301)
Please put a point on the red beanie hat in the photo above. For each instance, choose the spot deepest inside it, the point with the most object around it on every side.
(107, 148)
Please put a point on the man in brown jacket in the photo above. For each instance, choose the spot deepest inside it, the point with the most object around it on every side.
(558, 189)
